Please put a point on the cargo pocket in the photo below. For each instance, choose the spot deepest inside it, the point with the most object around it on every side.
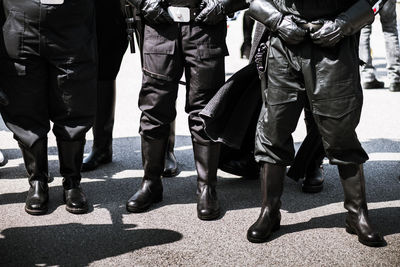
(210, 50)
(338, 107)
(158, 55)
(13, 30)
(277, 96)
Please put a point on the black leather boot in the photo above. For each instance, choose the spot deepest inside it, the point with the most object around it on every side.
(3, 159)
(151, 190)
(70, 154)
(170, 165)
(357, 221)
(270, 217)
(313, 178)
(36, 164)
(206, 158)
(102, 128)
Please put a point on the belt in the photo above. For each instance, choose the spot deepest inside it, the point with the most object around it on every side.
(309, 26)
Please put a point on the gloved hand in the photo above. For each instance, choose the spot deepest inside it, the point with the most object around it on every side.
(212, 12)
(3, 98)
(153, 12)
(329, 34)
(289, 31)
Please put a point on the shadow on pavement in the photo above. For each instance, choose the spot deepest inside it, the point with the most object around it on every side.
(76, 244)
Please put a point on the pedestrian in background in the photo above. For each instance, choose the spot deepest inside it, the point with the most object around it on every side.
(388, 20)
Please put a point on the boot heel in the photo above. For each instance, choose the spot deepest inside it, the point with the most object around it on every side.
(276, 227)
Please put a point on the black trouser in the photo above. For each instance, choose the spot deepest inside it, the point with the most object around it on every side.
(169, 50)
(111, 38)
(48, 69)
(328, 79)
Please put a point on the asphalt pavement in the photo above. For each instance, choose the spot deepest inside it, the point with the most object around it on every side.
(312, 232)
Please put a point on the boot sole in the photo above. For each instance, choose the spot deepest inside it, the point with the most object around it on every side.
(140, 210)
(210, 217)
(366, 243)
(265, 239)
(312, 189)
(77, 210)
(170, 173)
(36, 212)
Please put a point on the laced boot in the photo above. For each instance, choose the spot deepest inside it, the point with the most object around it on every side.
(36, 164)
(103, 126)
(270, 217)
(70, 155)
(151, 189)
(357, 221)
(170, 165)
(206, 160)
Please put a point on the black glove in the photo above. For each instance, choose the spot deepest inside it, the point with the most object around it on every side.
(289, 31)
(212, 12)
(3, 98)
(329, 34)
(347, 23)
(152, 11)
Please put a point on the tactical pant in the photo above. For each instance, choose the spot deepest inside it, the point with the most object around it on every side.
(327, 79)
(169, 50)
(111, 38)
(48, 68)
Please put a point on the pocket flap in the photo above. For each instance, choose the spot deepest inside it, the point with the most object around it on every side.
(336, 108)
(205, 51)
(158, 46)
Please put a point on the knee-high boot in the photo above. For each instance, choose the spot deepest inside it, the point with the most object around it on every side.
(36, 164)
(171, 165)
(272, 177)
(357, 221)
(70, 154)
(206, 158)
(102, 128)
(151, 189)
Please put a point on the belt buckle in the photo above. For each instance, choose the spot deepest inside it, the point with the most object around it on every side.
(179, 14)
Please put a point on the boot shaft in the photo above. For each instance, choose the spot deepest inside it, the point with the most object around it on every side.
(153, 158)
(353, 182)
(70, 154)
(35, 160)
(206, 158)
(272, 177)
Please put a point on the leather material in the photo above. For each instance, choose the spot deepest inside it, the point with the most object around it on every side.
(3, 98)
(265, 12)
(206, 160)
(170, 165)
(289, 30)
(35, 159)
(103, 127)
(231, 6)
(75, 200)
(70, 154)
(154, 12)
(151, 189)
(37, 199)
(3, 159)
(357, 221)
(314, 179)
(212, 12)
(272, 177)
